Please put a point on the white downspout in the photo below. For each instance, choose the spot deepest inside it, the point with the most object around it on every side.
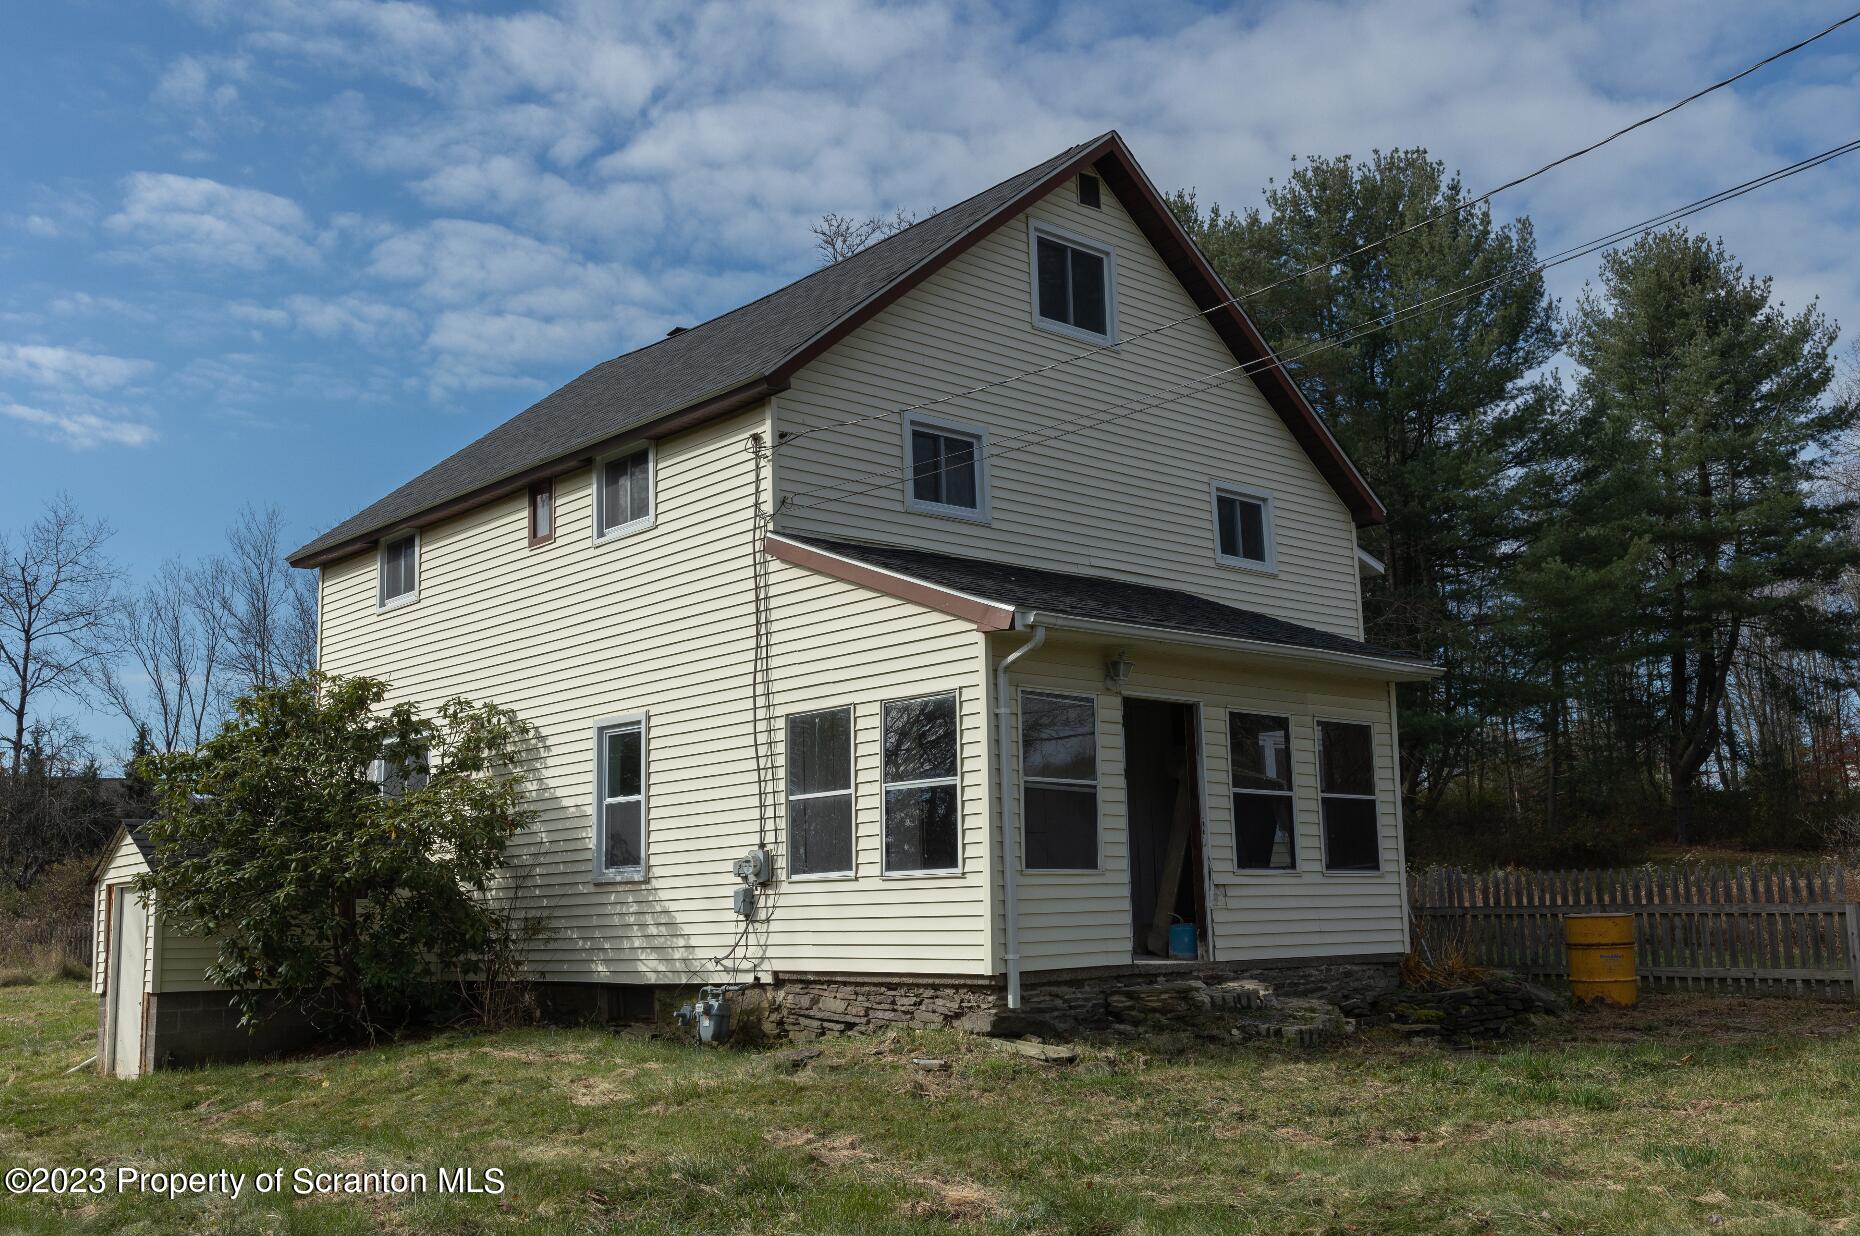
(1010, 856)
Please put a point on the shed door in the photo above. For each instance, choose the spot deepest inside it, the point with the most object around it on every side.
(127, 951)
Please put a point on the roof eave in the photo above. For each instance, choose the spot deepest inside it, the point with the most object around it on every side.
(1382, 669)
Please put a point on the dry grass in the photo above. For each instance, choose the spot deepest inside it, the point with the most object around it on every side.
(1685, 1114)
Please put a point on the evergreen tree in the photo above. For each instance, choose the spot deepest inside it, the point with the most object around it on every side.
(1681, 513)
(1430, 409)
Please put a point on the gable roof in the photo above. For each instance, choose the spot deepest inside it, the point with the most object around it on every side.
(992, 593)
(747, 354)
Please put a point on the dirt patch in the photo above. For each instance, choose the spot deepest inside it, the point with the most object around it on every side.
(950, 1198)
(596, 1091)
(1719, 1019)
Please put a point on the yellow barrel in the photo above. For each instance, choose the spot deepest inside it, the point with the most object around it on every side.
(1601, 958)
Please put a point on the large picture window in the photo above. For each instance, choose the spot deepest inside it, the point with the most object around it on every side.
(620, 799)
(1059, 781)
(923, 809)
(820, 793)
(1347, 796)
(1260, 748)
(623, 493)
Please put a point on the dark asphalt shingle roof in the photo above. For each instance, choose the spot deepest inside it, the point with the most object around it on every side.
(674, 373)
(1060, 594)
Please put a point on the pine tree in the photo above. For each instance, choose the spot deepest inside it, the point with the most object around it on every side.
(1687, 511)
(1430, 409)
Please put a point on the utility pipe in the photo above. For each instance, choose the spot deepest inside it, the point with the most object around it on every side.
(1010, 849)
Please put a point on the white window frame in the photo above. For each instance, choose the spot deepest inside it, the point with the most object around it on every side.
(1096, 783)
(981, 512)
(382, 605)
(885, 787)
(1375, 771)
(1037, 229)
(631, 527)
(1226, 489)
(598, 831)
(1289, 793)
(850, 793)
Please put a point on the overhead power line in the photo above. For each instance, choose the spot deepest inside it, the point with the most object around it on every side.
(1328, 262)
(1033, 437)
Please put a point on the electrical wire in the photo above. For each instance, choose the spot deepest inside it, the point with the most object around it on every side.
(1235, 301)
(1034, 437)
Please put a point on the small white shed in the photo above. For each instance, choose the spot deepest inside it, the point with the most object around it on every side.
(123, 953)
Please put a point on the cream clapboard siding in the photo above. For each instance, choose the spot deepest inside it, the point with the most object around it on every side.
(1084, 919)
(1128, 499)
(660, 622)
(172, 961)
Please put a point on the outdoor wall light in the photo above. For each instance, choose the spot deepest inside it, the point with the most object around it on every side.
(1117, 671)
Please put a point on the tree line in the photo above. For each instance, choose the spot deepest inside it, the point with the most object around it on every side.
(169, 656)
(1627, 529)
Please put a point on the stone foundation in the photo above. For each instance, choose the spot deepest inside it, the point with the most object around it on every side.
(1493, 1008)
(812, 1008)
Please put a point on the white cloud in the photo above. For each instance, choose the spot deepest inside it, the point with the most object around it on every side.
(80, 431)
(62, 367)
(195, 220)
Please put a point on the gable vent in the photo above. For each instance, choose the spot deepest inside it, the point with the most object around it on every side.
(1088, 190)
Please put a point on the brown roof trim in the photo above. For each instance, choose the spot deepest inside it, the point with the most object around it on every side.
(1185, 259)
(734, 400)
(986, 615)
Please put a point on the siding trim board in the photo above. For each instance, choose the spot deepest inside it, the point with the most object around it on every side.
(986, 615)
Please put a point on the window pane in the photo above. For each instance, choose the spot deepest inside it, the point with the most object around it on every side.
(397, 568)
(1054, 301)
(1261, 750)
(613, 487)
(1253, 531)
(959, 472)
(542, 518)
(1227, 517)
(1350, 835)
(1347, 758)
(1088, 309)
(1061, 827)
(820, 752)
(624, 765)
(820, 835)
(926, 466)
(639, 487)
(921, 828)
(623, 847)
(920, 739)
(1263, 831)
(1058, 737)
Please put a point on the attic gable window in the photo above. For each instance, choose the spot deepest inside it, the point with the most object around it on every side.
(398, 571)
(1073, 285)
(948, 469)
(1243, 528)
(623, 494)
(1089, 191)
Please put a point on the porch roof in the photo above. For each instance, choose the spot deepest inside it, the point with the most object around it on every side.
(1001, 595)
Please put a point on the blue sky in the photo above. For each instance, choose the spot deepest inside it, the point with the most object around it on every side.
(290, 252)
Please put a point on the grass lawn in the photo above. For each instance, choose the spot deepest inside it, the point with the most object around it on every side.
(1690, 1114)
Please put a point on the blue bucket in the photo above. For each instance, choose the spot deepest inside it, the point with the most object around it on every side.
(1182, 941)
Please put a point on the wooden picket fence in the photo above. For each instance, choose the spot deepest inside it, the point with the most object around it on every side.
(1791, 930)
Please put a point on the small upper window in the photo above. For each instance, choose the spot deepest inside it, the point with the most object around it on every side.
(399, 570)
(623, 493)
(1072, 286)
(1243, 528)
(1088, 191)
(947, 476)
(542, 512)
(1347, 796)
(400, 771)
(620, 794)
(923, 812)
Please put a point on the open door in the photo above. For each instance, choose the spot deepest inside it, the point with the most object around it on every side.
(128, 947)
(1162, 780)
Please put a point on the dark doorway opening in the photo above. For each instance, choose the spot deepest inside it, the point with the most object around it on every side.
(1162, 786)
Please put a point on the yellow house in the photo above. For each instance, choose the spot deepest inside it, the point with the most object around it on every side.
(995, 585)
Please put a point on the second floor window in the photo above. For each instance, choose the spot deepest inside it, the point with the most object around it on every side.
(947, 476)
(1243, 527)
(399, 570)
(1072, 286)
(623, 493)
(542, 512)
